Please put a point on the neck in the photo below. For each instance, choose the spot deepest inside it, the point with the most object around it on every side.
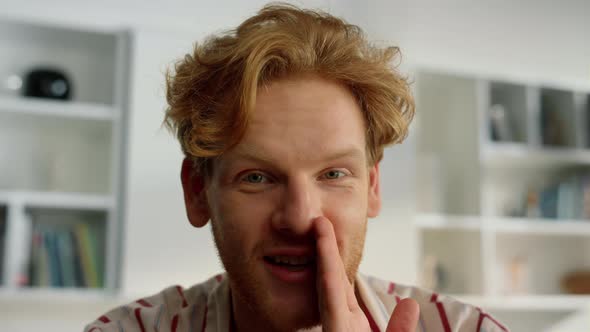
(244, 319)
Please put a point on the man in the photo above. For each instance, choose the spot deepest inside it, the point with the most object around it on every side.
(283, 123)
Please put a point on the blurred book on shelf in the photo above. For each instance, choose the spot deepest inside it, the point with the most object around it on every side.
(567, 199)
(2, 241)
(66, 256)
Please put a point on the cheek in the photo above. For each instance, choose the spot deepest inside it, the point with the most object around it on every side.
(348, 213)
(244, 215)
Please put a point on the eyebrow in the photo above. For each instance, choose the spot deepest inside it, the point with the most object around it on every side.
(347, 153)
(259, 156)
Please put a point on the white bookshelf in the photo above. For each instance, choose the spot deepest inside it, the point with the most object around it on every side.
(472, 185)
(62, 161)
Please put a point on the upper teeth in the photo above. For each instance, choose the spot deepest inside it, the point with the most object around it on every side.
(293, 260)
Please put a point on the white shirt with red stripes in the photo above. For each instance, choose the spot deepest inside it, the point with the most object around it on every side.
(205, 307)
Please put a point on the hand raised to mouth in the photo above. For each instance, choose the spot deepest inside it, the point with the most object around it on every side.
(339, 308)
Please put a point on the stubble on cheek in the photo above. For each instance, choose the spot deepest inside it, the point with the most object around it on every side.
(350, 226)
(353, 253)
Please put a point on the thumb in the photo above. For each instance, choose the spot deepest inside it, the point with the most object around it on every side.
(405, 317)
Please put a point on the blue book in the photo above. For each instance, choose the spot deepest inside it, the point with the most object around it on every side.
(66, 258)
(548, 202)
(563, 199)
(54, 259)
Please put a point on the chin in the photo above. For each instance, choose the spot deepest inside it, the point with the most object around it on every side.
(293, 309)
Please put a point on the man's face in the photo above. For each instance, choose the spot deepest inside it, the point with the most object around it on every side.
(303, 156)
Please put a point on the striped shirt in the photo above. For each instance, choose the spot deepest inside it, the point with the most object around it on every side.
(205, 308)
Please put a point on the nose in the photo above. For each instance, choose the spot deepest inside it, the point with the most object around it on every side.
(299, 205)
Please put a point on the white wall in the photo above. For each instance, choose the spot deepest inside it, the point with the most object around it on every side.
(544, 40)
(160, 247)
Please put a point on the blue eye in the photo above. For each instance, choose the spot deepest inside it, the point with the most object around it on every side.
(255, 178)
(334, 174)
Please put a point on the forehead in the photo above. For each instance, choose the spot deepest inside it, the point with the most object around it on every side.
(303, 119)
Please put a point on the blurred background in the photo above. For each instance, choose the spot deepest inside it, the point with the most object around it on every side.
(488, 199)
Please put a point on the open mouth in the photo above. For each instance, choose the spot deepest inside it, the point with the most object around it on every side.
(291, 263)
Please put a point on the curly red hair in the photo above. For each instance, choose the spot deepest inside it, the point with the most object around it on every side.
(213, 90)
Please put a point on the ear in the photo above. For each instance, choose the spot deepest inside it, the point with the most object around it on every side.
(195, 199)
(374, 202)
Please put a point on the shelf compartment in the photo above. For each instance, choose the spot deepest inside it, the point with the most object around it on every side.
(67, 248)
(558, 119)
(542, 190)
(507, 112)
(455, 257)
(88, 58)
(521, 262)
(55, 154)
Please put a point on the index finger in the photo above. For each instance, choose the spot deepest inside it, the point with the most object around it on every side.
(332, 283)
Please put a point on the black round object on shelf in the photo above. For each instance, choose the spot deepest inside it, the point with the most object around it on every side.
(47, 83)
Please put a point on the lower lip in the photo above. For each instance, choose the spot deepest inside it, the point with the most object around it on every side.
(286, 275)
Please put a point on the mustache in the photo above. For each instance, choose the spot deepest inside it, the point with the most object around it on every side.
(281, 240)
(290, 239)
